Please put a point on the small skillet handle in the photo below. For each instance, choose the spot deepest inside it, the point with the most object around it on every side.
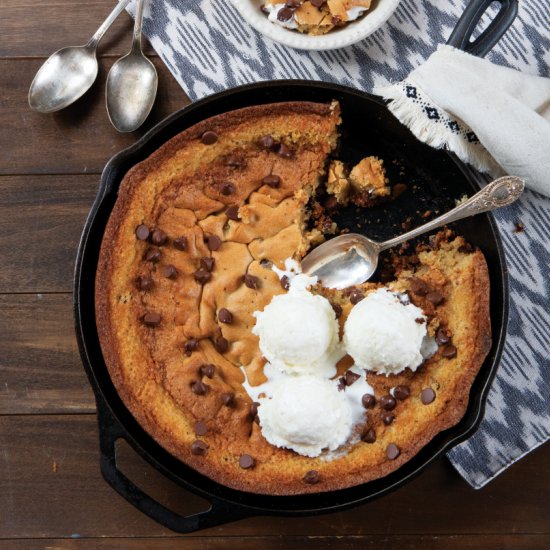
(460, 37)
(109, 431)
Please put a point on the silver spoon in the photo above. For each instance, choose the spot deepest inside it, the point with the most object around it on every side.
(68, 73)
(352, 259)
(131, 84)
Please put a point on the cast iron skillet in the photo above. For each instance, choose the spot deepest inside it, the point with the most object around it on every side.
(434, 180)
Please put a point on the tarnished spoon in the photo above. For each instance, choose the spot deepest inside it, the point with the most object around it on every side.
(131, 84)
(352, 259)
(68, 73)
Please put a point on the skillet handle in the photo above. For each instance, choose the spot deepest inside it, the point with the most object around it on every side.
(460, 37)
(109, 431)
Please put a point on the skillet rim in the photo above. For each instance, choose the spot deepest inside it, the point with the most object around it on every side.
(218, 494)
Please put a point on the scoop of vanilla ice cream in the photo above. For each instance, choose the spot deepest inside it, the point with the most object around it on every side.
(306, 414)
(382, 335)
(298, 333)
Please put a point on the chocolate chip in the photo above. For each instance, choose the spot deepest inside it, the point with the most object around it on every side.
(427, 396)
(418, 286)
(449, 351)
(317, 3)
(272, 180)
(388, 402)
(283, 150)
(142, 232)
(169, 271)
(436, 298)
(311, 477)
(225, 316)
(200, 428)
(207, 370)
(227, 189)
(151, 319)
(285, 282)
(202, 276)
(337, 310)
(251, 282)
(420, 320)
(152, 255)
(159, 237)
(369, 436)
(191, 345)
(331, 203)
(228, 399)
(401, 392)
(246, 462)
(368, 401)
(221, 344)
(442, 337)
(180, 243)
(252, 413)
(232, 213)
(355, 297)
(466, 248)
(198, 388)
(267, 142)
(207, 263)
(398, 189)
(393, 451)
(144, 282)
(341, 384)
(351, 377)
(285, 14)
(213, 242)
(293, 3)
(198, 447)
(209, 137)
(387, 417)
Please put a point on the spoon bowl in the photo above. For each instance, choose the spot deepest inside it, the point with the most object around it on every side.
(352, 259)
(63, 78)
(131, 90)
(132, 84)
(343, 261)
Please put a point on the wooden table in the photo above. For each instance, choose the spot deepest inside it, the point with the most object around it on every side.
(51, 491)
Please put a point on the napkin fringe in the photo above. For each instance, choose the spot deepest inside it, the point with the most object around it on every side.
(437, 134)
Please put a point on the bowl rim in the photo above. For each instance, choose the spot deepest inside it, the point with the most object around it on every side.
(348, 35)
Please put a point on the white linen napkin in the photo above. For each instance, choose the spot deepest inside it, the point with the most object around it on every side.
(493, 117)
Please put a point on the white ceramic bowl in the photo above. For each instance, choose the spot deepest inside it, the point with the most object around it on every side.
(353, 32)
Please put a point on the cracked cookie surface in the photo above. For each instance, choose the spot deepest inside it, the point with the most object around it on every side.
(186, 260)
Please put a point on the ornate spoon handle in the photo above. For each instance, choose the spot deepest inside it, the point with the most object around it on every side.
(500, 192)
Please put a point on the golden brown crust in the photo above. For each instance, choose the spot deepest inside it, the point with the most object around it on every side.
(177, 189)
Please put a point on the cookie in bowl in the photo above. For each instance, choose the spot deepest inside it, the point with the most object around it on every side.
(242, 367)
(316, 25)
(314, 17)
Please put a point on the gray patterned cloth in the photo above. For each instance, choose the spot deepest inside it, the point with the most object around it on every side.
(208, 47)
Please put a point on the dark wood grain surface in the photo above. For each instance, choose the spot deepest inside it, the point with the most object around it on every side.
(51, 491)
